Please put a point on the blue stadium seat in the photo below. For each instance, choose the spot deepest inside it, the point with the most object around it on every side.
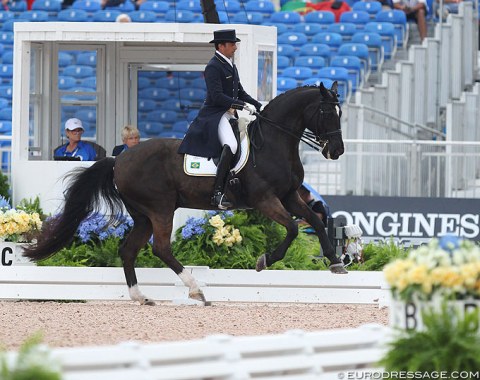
(6, 15)
(223, 17)
(180, 126)
(87, 115)
(286, 17)
(36, 16)
(375, 47)
(292, 38)
(176, 105)
(90, 82)
(150, 128)
(6, 92)
(340, 75)
(189, 5)
(285, 84)
(229, 6)
(143, 16)
(192, 114)
(323, 18)
(307, 29)
(87, 58)
(77, 96)
(153, 74)
(199, 83)
(360, 51)
(399, 20)
(90, 6)
(8, 25)
(163, 116)
(6, 70)
(66, 82)
(333, 40)
(195, 95)
(179, 16)
(313, 62)
(126, 7)
(316, 82)
(143, 82)
(159, 7)
(321, 50)
(359, 18)
(265, 7)
(372, 7)
(157, 94)
(345, 29)
(297, 72)
(146, 105)
(3, 103)
(190, 74)
(47, 5)
(65, 59)
(281, 28)
(17, 6)
(172, 84)
(5, 127)
(7, 57)
(389, 37)
(282, 62)
(6, 113)
(255, 18)
(286, 50)
(170, 134)
(6, 38)
(106, 15)
(354, 67)
(78, 71)
(73, 15)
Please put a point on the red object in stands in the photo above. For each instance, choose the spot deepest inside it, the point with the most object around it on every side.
(29, 4)
(327, 6)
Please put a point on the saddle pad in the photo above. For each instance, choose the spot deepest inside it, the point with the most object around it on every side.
(201, 166)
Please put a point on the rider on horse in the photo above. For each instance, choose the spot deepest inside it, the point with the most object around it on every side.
(210, 134)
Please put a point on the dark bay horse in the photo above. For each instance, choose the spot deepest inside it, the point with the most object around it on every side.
(149, 181)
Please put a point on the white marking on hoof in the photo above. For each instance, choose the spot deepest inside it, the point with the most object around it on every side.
(338, 269)
(188, 302)
(136, 295)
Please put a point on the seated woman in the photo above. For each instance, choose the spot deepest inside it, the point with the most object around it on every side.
(75, 148)
(130, 137)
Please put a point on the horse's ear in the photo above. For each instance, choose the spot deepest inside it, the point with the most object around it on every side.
(334, 87)
(324, 91)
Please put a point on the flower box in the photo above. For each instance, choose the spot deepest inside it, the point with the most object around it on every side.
(11, 254)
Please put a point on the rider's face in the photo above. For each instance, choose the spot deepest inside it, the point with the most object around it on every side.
(227, 49)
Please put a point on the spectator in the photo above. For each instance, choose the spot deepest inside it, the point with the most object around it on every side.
(449, 6)
(75, 148)
(415, 10)
(335, 6)
(315, 201)
(130, 137)
(123, 18)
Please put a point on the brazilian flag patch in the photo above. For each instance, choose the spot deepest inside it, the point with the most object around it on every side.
(195, 165)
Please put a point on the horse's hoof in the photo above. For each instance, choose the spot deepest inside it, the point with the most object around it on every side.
(149, 302)
(261, 263)
(338, 268)
(198, 297)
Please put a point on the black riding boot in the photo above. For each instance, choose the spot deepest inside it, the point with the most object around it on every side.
(223, 167)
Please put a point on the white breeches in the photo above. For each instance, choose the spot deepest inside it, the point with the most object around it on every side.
(225, 132)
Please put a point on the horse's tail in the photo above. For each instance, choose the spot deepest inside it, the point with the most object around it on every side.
(90, 189)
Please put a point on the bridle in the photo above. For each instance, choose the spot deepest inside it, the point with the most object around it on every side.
(317, 141)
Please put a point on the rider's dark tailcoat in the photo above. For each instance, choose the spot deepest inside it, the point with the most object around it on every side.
(224, 91)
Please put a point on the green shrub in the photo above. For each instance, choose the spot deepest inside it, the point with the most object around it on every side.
(4, 186)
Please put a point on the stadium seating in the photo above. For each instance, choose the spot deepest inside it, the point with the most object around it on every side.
(143, 16)
(6, 15)
(255, 18)
(282, 62)
(17, 6)
(230, 7)
(5, 127)
(36, 16)
(66, 82)
(199, 83)
(150, 128)
(146, 105)
(308, 29)
(6, 70)
(372, 7)
(154, 93)
(333, 40)
(106, 15)
(313, 62)
(298, 73)
(286, 50)
(6, 114)
(90, 6)
(78, 71)
(359, 50)
(176, 104)
(157, 6)
(73, 15)
(375, 47)
(52, 7)
(180, 126)
(165, 117)
(399, 20)
(345, 29)
(87, 115)
(389, 37)
(89, 82)
(323, 18)
(88, 58)
(321, 50)
(286, 17)
(179, 16)
(192, 114)
(354, 67)
(172, 84)
(359, 18)
(292, 38)
(340, 75)
(284, 84)
(195, 95)
(264, 7)
(189, 5)
(8, 25)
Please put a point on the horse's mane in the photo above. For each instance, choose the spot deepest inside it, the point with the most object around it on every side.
(279, 98)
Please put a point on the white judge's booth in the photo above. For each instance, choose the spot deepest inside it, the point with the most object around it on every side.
(110, 75)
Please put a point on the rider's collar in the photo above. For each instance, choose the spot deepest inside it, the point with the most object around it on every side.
(225, 58)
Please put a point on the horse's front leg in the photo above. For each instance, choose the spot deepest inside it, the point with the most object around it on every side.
(273, 209)
(299, 208)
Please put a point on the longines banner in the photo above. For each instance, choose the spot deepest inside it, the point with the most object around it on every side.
(408, 220)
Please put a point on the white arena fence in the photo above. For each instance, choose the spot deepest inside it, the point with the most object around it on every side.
(294, 355)
(218, 285)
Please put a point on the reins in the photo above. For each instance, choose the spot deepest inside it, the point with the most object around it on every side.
(313, 140)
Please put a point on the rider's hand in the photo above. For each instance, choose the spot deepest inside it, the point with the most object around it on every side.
(250, 109)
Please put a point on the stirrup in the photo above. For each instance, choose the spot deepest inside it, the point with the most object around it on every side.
(221, 201)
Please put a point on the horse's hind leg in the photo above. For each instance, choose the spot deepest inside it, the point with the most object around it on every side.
(162, 248)
(136, 239)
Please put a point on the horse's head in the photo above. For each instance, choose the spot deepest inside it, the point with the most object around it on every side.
(323, 120)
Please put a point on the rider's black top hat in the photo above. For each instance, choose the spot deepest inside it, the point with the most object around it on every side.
(225, 35)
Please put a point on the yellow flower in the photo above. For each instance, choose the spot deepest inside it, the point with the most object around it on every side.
(216, 221)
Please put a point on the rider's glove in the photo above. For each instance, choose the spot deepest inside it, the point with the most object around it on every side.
(250, 109)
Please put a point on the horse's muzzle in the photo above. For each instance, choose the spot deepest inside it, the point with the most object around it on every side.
(330, 152)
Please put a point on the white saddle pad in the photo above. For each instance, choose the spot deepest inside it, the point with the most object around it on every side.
(201, 166)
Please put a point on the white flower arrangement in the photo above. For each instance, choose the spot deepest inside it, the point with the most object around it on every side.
(17, 225)
(224, 234)
(449, 269)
